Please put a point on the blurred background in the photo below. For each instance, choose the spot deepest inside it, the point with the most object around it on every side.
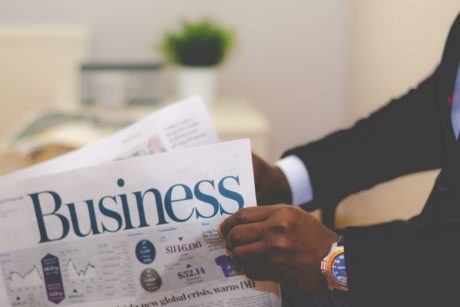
(297, 70)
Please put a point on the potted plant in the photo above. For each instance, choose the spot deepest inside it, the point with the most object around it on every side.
(198, 48)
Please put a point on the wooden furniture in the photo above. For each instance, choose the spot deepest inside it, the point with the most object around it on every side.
(233, 119)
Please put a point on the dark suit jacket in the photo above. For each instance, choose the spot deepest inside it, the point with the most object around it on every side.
(402, 263)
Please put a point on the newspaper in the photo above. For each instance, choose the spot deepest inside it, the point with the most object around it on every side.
(181, 125)
(138, 232)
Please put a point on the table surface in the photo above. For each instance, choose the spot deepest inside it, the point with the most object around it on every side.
(231, 117)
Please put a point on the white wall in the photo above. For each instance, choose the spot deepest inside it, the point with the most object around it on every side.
(288, 60)
(393, 45)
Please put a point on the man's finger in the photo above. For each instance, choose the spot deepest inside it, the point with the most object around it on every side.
(244, 216)
(244, 234)
(249, 254)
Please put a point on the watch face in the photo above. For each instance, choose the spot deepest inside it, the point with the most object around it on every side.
(338, 269)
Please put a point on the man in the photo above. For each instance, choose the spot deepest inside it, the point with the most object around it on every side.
(402, 263)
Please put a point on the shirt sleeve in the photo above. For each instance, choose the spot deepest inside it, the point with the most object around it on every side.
(298, 178)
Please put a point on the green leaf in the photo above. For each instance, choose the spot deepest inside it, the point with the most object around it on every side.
(201, 43)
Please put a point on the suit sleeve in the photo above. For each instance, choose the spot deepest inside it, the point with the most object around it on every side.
(402, 137)
(404, 264)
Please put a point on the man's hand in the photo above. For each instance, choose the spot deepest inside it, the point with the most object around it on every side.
(272, 186)
(279, 243)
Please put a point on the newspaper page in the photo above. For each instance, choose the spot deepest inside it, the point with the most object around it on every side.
(137, 232)
(181, 125)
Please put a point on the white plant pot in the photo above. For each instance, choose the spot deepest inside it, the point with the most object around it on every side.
(200, 81)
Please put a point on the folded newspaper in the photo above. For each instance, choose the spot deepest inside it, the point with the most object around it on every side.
(112, 225)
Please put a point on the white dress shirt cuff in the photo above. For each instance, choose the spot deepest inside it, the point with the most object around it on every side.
(298, 178)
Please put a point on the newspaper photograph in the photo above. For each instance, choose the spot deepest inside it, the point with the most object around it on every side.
(135, 232)
(181, 125)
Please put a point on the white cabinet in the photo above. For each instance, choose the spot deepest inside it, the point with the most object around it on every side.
(233, 119)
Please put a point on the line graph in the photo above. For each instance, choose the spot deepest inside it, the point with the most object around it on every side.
(32, 276)
(87, 272)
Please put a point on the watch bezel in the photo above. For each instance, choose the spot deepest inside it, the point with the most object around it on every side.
(326, 268)
(331, 269)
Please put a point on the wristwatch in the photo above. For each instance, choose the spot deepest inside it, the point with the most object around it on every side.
(333, 267)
